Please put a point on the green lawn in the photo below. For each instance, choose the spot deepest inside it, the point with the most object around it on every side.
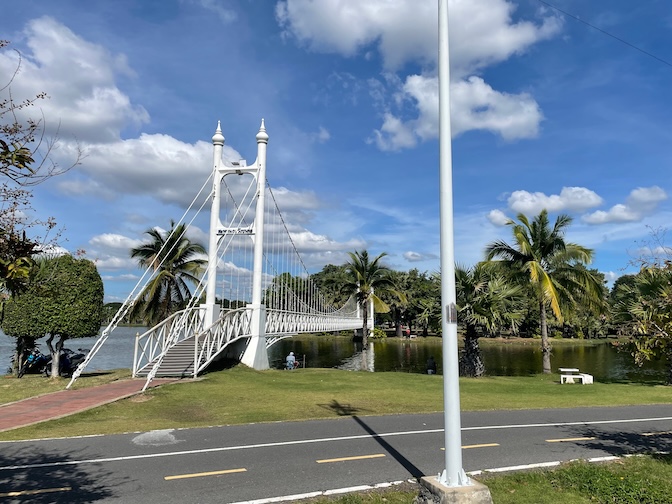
(242, 395)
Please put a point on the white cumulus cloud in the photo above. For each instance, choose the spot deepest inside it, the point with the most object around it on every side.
(498, 218)
(483, 33)
(84, 99)
(577, 199)
(640, 203)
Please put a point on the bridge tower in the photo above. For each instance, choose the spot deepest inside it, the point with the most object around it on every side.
(255, 354)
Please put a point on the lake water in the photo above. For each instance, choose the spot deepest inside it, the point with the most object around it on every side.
(603, 361)
(116, 353)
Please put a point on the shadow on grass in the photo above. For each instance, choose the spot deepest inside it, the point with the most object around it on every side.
(31, 474)
(342, 409)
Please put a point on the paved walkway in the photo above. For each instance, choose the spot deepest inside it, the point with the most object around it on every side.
(67, 402)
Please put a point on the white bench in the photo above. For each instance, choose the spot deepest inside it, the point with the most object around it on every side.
(572, 375)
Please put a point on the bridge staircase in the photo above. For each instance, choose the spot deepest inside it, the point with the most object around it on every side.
(177, 362)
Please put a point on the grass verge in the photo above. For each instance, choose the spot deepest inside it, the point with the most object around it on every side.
(242, 395)
(633, 480)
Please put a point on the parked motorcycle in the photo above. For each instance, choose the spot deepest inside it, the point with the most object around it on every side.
(35, 363)
(68, 362)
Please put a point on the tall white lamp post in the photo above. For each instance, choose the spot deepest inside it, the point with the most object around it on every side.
(453, 475)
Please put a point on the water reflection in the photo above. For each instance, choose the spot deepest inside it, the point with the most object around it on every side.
(603, 361)
(402, 355)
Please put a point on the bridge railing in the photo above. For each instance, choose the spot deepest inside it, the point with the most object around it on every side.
(281, 322)
(154, 343)
(232, 325)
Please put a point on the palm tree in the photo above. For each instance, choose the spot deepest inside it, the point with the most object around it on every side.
(487, 304)
(367, 280)
(541, 258)
(642, 309)
(176, 262)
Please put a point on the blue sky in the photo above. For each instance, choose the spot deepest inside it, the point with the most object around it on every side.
(547, 112)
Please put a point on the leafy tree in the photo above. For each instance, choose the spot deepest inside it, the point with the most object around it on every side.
(330, 283)
(643, 310)
(176, 262)
(487, 304)
(398, 312)
(541, 258)
(420, 292)
(25, 161)
(63, 300)
(368, 280)
(589, 320)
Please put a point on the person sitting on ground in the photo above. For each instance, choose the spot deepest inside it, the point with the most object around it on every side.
(291, 361)
(431, 365)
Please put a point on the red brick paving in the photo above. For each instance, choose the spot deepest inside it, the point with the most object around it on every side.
(67, 402)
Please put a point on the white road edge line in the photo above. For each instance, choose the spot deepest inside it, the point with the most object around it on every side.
(319, 493)
(312, 441)
(540, 465)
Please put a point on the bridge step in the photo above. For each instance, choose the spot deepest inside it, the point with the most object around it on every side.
(178, 362)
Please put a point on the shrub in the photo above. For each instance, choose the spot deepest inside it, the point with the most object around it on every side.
(378, 333)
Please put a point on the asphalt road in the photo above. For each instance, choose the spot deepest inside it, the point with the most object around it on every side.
(265, 461)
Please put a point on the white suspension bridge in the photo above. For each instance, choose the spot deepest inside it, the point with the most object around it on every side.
(266, 293)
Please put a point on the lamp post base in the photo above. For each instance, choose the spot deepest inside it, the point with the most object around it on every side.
(434, 492)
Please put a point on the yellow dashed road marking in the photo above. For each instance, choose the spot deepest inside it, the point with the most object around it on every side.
(569, 439)
(19, 493)
(200, 475)
(484, 445)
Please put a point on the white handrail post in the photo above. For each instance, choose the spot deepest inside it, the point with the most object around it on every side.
(195, 356)
(135, 355)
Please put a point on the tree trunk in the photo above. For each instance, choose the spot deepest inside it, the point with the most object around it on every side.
(20, 354)
(365, 326)
(471, 360)
(545, 344)
(55, 355)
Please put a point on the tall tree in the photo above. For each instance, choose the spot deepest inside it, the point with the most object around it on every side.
(368, 280)
(176, 262)
(487, 304)
(643, 310)
(25, 161)
(540, 257)
(330, 283)
(63, 300)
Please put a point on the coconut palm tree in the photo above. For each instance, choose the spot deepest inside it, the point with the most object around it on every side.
(541, 258)
(176, 262)
(368, 279)
(487, 304)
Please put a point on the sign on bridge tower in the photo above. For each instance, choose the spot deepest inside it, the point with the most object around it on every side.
(255, 354)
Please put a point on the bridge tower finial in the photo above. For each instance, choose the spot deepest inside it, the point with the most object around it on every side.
(218, 138)
(262, 136)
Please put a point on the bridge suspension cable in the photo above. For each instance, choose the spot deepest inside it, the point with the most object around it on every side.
(291, 302)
